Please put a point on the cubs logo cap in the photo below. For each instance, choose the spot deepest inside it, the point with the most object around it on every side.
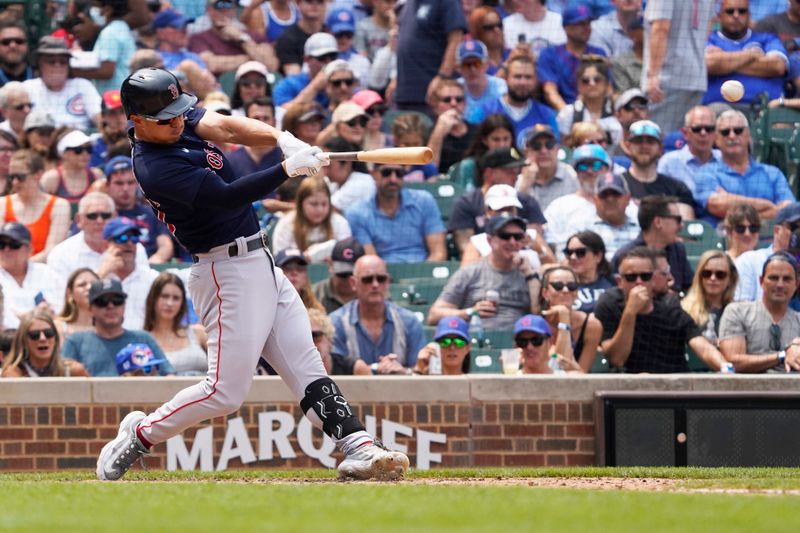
(452, 325)
(341, 20)
(533, 324)
(471, 49)
(154, 93)
(117, 164)
(118, 226)
(135, 357)
(345, 254)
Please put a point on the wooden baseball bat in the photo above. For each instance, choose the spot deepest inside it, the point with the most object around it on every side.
(412, 155)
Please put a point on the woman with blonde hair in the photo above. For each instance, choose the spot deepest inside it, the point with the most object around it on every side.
(312, 225)
(36, 351)
(712, 289)
(76, 315)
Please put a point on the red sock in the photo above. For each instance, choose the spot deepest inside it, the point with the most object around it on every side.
(143, 440)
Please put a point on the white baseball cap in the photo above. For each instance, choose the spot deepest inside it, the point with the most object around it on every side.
(320, 44)
(501, 196)
(250, 66)
(72, 139)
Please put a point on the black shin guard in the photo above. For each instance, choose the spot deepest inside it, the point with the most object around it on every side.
(325, 398)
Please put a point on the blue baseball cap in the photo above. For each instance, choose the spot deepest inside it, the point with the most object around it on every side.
(534, 324)
(790, 213)
(135, 357)
(290, 254)
(610, 182)
(674, 141)
(644, 128)
(471, 48)
(169, 18)
(594, 152)
(452, 325)
(119, 226)
(575, 15)
(340, 20)
(117, 163)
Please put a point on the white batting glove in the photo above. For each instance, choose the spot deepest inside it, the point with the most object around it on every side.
(289, 144)
(306, 162)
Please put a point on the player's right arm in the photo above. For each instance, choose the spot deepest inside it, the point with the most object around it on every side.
(221, 129)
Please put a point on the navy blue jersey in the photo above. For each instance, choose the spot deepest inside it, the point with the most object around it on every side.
(171, 177)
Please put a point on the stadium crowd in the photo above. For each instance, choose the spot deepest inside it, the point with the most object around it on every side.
(577, 147)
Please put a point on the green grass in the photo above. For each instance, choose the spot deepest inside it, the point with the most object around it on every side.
(263, 501)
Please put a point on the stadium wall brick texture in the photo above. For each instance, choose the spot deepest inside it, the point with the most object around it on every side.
(54, 424)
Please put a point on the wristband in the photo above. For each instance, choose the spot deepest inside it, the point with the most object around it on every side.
(531, 277)
(563, 326)
(781, 357)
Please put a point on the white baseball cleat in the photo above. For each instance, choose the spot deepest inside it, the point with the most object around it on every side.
(118, 455)
(373, 461)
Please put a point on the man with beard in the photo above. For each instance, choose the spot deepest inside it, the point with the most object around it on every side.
(645, 148)
(13, 53)
(735, 52)
(113, 129)
(518, 104)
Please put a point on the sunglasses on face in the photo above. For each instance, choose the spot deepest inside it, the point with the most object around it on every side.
(344, 82)
(126, 237)
(451, 99)
(255, 82)
(357, 122)
(471, 64)
(580, 253)
(36, 334)
(490, 27)
(703, 128)
(392, 171)
(13, 40)
(12, 245)
(594, 80)
(369, 280)
(594, 166)
(559, 286)
(634, 106)
(538, 145)
(104, 301)
(741, 228)
(24, 105)
(20, 177)
(376, 110)
(676, 218)
(452, 341)
(718, 274)
(727, 131)
(739, 10)
(508, 235)
(99, 214)
(161, 121)
(533, 341)
(633, 276)
(327, 58)
(78, 150)
(317, 335)
(343, 275)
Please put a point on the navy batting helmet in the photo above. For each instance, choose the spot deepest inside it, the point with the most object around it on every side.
(154, 93)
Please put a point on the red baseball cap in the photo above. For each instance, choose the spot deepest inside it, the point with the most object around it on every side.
(111, 100)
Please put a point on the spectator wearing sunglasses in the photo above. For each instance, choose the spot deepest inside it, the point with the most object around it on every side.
(35, 351)
(764, 335)
(592, 103)
(545, 177)
(73, 177)
(308, 85)
(349, 122)
(629, 107)
(736, 52)
(504, 270)
(38, 135)
(642, 333)
(480, 88)
(486, 25)
(371, 316)
(46, 216)
(661, 223)
(534, 338)
(124, 235)
(336, 290)
(26, 285)
(742, 227)
(585, 254)
(71, 101)
(14, 52)
(451, 343)
(398, 224)
(15, 105)
(738, 177)
(252, 81)
(684, 164)
(451, 135)
(374, 106)
(341, 22)
(97, 349)
(712, 290)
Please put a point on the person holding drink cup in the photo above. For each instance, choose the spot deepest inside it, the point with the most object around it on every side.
(451, 345)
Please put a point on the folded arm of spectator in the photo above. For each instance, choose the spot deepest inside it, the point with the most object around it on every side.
(720, 201)
(770, 65)
(719, 62)
(707, 352)
(735, 351)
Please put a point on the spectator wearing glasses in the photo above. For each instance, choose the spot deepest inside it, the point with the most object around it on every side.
(585, 254)
(371, 316)
(349, 122)
(45, 216)
(480, 88)
(342, 24)
(486, 25)
(451, 135)
(252, 81)
(308, 85)
(396, 223)
(348, 185)
(712, 290)
(593, 103)
(736, 52)
(505, 270)
(750, 264)
(545, 177)
(292, 45)
(451, 343)
(26, 285)
(644, 146)
(15, 105)
(684, 164)
(642, 333)
(742, 227)
(336, 290)
(661, 222)
(71, 101)
(738, 177)
(534, 338)
(73, 177)
(14, 53)
(629, 107)
(374, 106)
(35, 351)
(119, 261)
(97, 349)
(764, 335)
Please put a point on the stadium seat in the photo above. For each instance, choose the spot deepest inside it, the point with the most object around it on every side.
(421, 291)
(445, 192)
(699, 236)
(601, 364)
(317, 272)
(485, 361)
(403, 272)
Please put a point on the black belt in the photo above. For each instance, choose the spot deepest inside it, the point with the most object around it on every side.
(259, 241)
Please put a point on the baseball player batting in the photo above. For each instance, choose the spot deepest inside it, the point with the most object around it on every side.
(247, 305)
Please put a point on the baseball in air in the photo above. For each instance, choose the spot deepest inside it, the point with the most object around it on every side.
(732, 90)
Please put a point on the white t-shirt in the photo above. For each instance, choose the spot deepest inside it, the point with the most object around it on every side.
(21, 299)
(283, 237)
(75, 105)
(358, 187)
(540, 35)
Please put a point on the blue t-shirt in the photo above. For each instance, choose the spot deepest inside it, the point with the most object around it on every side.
(753, 85)
(171, 176)
(173, 59)
(99, 355)
(558, 65)
(289, 87)
(495, 89)
(401, 238)
(537, 113)
(115, 43)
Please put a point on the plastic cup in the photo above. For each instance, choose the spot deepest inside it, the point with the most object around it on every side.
(510, 359)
